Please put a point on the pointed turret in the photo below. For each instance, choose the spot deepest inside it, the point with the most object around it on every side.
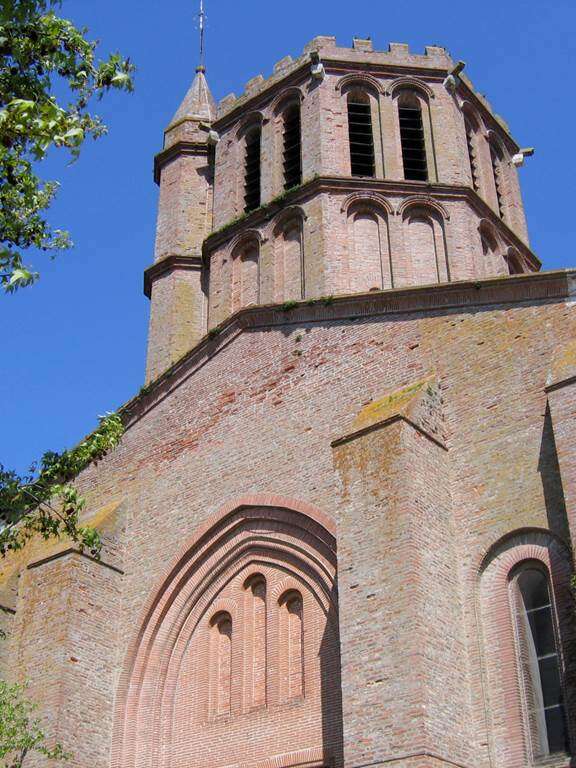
(174, 283)
(198, 104)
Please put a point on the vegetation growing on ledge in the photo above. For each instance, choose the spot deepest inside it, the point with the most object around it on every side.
(268, 207)
(44, 502)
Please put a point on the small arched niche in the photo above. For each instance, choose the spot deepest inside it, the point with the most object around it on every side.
(425, 244)
(289, 271)
(245, 289)
(369, 262)
(291, 644)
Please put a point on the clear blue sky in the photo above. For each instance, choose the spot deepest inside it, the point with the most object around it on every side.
(74, 345)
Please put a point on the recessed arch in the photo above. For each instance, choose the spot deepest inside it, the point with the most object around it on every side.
(165, 660)
(411, 84)
(252, 120)
(285, 98)
(370, 199)
(514, 261)
(359, 80)
(502, 657)
(285, 216)
(419, 201)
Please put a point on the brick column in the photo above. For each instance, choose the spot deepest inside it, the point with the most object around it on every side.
(561, 392)
(404, 675)
(66, 628)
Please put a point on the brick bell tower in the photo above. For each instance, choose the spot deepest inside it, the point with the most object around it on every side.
(175, 283)
(348, 170)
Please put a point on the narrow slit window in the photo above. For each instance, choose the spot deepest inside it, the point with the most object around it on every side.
(252, 170)
(292, 147)
(360, 134)
(412, 141)
(540, 663)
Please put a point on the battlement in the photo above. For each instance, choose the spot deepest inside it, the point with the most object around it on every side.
(435, 59)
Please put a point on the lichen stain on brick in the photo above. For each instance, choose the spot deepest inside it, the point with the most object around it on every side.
(389, 405)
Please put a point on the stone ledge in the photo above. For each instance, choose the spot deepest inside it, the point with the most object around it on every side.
(72, 551)
(445, 297)
(176, 150)
(167, 264)
(381, 425)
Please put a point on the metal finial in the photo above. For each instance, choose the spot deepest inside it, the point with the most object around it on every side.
(201, 19)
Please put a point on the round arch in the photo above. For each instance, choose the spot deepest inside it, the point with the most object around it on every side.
(359, 80)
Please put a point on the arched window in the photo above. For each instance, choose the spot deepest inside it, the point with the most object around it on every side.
(221, 663)
(539, 660)
(292, 643)
(256, 638)
(252, 142)
(496, 159)
(412, 137)
(246, 275)
(361, 134)
(292, 147)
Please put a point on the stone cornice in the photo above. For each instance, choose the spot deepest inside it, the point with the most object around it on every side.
(168, 264)
(177, 149)
(350, 184)
(446, 297)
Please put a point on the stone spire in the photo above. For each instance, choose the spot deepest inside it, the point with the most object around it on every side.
(198, 104)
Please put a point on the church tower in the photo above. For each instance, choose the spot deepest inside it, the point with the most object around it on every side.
(338, 531)
(346, 171)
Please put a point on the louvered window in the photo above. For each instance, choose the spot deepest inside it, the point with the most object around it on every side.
(470, 142)
(252, 170)
(498, 180)
(292, 147)
(412, 140)
(360, 135)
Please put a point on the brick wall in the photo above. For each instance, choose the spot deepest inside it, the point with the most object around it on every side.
(250, 417)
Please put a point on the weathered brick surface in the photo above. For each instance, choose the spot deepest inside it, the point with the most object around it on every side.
(414, 522)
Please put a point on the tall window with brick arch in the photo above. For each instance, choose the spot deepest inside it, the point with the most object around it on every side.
(539, 661)
(412, 137)
(252, 168)
(361, 134)
(292, 146)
